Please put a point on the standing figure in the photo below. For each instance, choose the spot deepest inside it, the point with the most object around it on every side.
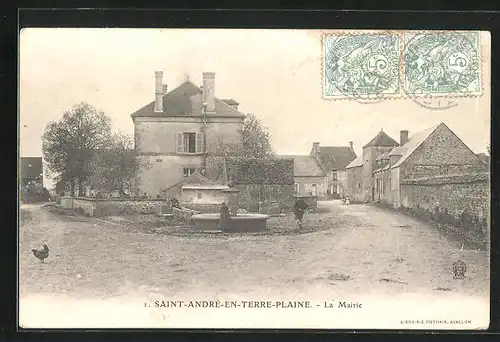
(225, 218)
(299, 208)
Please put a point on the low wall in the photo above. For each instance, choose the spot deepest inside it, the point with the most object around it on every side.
(462, 201)
(112, 207)
(203, 207)
(184, 214)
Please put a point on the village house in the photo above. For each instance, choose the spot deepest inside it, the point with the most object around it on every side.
(333, 161)
(309, 178)
(179, 128)
(360, 170)
(432, 170)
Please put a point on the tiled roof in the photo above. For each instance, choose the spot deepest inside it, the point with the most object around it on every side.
(275, 171)
(412, 144)
(230, 102)
(305, 166)
(382, 139)
(185, 100)
(31, 167)
(336, 157)
(355, 163)
(195, 179)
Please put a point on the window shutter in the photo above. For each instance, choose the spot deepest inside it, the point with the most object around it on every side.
(179, 143)
(199, 142)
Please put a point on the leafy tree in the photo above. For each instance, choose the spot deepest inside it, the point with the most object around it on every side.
(256, 140)
(115, 167)
(488, 149)
(68, 144)
(255, 144)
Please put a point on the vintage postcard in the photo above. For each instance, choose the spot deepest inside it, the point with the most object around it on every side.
(195, 178)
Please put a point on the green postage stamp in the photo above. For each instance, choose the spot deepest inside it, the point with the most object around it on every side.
(401, 63)
(361, 66)
(442, 63)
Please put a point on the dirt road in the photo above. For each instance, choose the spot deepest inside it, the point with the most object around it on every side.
(377, 251)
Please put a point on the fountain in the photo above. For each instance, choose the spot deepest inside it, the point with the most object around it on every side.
(240, 223)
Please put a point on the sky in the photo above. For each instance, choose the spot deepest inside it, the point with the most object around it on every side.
(274, 74)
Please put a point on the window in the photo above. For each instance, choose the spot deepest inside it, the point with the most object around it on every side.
(359, 185)
(188, 171)
(297, 188)
(189, 142)
(200, 194)
(314, 190)
(334, 175)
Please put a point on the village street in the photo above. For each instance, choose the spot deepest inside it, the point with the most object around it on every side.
(372, 251)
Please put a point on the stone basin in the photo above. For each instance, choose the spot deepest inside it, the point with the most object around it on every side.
(248, 222)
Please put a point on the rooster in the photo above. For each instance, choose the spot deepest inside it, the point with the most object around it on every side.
(41, 253)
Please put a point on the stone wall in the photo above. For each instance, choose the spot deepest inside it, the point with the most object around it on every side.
(452, 196)
(110, 207)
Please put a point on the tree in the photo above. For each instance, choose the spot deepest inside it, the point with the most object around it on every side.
(68, 144)
(115, 167)
(256, 139)
(488, 149)
(255, 144)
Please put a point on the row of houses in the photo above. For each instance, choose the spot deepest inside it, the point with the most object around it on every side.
(175, 133)
(432, 170)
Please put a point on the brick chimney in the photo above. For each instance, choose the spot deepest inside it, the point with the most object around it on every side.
(403, 137)
(209, 91)
(158, 91)
(351, 145)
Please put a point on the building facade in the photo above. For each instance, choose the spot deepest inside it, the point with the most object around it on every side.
(360, 170)
(173, 133)
(333, 161)
(309, 178)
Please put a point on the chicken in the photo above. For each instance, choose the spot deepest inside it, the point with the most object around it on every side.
(41, 253)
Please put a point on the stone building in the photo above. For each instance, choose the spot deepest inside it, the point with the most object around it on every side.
(309, 178)
(360, 171)
(432, 170)
(174, 132)
(333, 161)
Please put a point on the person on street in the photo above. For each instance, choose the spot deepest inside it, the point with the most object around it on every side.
(225, 218)
(299, 208)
